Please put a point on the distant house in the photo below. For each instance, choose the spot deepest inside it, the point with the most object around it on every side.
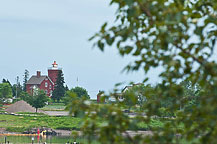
(126, 88)
(44, 82)
(99, 96)
(120, 96)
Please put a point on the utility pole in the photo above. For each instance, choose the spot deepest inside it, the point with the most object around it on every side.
(17, 80)
(77, 81)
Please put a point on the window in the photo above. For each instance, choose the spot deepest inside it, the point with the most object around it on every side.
(46, 91)
(45, 84)
(51, 92)
(50, 86)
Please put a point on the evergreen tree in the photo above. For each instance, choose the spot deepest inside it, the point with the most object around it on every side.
(25, 79)
(4, 81)
(59, 89)
(66, 88)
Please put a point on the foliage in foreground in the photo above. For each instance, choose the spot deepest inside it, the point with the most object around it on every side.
(180, 37)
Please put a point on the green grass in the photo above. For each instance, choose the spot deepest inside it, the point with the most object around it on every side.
(53, 139)
(54, 107)
(21, 123)
(154, 123)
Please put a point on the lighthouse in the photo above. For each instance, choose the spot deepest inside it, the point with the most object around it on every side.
(44, 82)
(53, 72)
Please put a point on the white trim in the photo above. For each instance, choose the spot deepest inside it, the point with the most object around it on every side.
(50, 80)
(52, 68)
(46, 84)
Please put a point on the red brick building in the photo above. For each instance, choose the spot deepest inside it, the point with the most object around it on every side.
(44, 82)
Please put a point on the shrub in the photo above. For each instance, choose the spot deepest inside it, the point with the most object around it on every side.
(163, 112)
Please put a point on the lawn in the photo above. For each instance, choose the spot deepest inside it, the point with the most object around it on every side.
(54, 107)
(53, 139)
(21, 123)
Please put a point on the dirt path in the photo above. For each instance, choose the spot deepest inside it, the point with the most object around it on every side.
(131, 133)
(69, 133)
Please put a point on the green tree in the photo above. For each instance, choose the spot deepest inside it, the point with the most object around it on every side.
(179, 36)
(38, 100)
(7, 81)
(81, 92)
(5, 92)
(59, 89)
(25, 79)
(75, 93)
(25, 96)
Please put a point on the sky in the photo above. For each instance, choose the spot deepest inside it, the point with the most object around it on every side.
(34, 33)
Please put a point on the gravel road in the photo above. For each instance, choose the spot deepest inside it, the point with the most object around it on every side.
(57, 113)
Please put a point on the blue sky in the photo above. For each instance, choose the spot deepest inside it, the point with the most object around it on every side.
(34, 33)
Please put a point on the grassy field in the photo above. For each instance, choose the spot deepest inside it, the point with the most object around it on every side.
(54, 107)
(30, 120)
(53, 139)
(21, 123)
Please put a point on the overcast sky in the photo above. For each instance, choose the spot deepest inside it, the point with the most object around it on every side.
(34, 33)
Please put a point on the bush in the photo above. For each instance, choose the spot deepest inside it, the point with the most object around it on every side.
(163, 112)
(16, 100)
(154, 123)
(67, 128)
